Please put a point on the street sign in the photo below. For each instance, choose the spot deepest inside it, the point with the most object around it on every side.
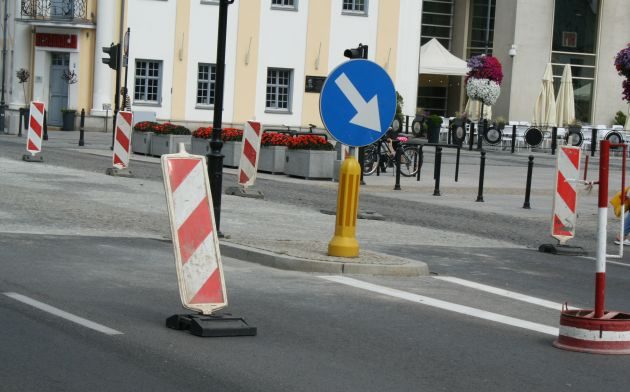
(358, 102)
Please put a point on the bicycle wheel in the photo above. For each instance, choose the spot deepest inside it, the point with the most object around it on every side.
(409, 161)
(370, 160)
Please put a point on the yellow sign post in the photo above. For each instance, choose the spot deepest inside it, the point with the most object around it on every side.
(344, 242)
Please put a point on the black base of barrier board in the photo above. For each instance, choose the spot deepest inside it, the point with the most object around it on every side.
(244, 192)
(112, 171)
(32, 158)
(563, 250)
(211, 326)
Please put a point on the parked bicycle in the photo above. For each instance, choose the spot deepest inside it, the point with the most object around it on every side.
(383, 153)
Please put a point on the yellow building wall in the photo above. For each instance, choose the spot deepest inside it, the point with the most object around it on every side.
(387, 36)
(180, 64)
(316, 62)
(87, 40)
(246, 60)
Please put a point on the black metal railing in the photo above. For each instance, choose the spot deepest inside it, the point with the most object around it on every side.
(54, 9)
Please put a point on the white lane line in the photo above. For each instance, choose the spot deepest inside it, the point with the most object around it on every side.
(63, 314)
(504, 293)
(436, 303)
(607, 261)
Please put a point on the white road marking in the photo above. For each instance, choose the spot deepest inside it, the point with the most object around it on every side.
(436, 303)
(504, 293)
(608, 261)
(63, 314)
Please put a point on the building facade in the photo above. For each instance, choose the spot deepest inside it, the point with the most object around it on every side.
(279, 51)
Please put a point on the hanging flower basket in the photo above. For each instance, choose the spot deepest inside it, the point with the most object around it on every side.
(483, 81)
(622, 64)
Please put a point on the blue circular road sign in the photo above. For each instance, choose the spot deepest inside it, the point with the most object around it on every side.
(358, 102)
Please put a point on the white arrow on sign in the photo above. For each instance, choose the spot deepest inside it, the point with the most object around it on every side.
(367, 112)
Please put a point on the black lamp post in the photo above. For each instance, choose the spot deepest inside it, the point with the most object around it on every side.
(4, 62)
(215, 158)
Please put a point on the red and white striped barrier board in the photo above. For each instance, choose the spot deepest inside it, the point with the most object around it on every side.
(565, 198)
(122, 140)
(195, 241)
(35, 128)
(248, 165)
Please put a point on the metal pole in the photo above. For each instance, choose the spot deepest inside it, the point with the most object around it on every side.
(117, 94)
(438, 163)
(421, 161)
(488, 28)
(513, 137)
(81, 129)
(20, 127)
(45, 126)
(554, 140)
(586, 168)
(471, 136)
(397, 156)
(480, 133)
(362, 162)
(482, 169)
(593, 141)
(602, 215)
(215, 158)
(4, 62)
(126, 100)
(457, 164)
(528, 186)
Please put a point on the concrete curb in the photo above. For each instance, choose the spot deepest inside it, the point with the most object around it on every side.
(279, 261)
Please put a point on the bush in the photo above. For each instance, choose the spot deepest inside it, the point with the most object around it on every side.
(232, 135)
(146, 126)
(203, 133)
(620, 118)
(434, 120)
(171, 129)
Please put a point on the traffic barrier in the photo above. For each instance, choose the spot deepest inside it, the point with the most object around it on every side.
(554, 140)
(437, 171)
(35, 132)
(564, 213)
(249, 157)
(597, 331)
(397, 157)
(482, 170)
(248, 164)
(344, 242)
(122, 145)
(528, 186)
(196, 248)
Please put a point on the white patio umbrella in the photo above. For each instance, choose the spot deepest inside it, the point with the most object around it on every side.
(545, 109)
(627, 126)
(566, 99)
(473, 106)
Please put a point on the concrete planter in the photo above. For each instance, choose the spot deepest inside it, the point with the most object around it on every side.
(200, 146)
(232, 152)
(310, 164)
(272, 159)
(167, 144)
(141, 142)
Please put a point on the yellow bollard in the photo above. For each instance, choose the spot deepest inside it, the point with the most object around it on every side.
(344, 242)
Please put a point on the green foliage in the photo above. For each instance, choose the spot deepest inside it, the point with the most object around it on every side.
(434, 120)
(620, 118)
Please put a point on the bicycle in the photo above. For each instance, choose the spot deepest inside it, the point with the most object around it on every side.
(382, 153)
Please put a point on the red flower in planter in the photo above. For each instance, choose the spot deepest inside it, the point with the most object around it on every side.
(203, 133)
(309, 142)
(145, 126)
(232, 135)
(275, 139)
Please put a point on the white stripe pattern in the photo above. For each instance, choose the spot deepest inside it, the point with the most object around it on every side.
(189, 195)
(566, 214)
(123, 154)
(32, 136)
(590, 335)
(199, 267)
(245, 165)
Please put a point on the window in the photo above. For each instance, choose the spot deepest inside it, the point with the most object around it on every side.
(479, 26)
(355, 6)
(278, 90)
(284, 4)
(575, 28)
(206, 78)
(437, 22)
(148, 79)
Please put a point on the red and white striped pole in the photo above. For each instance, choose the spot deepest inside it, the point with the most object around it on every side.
(602, 218)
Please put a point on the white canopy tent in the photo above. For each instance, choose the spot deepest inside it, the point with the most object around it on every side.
(435, 59)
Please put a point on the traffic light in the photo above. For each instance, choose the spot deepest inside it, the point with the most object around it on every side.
(113, 60)
(360, 52)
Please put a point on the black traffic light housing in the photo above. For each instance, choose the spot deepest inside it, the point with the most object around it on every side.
(114, 59)
(360, 52)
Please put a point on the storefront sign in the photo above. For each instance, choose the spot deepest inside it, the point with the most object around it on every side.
(65, 41)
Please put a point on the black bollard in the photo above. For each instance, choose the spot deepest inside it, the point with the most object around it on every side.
(397, 156)
(554, 140)
(513, 137)
(457, 164)
(20, 127)
(528, 187)
(438, 163)
(471, 136)
(593, 141)
(421, 158)
(482, 169)
(378, 157)
(45, 126)
(81, 130)
(361, 163)
(449, 133)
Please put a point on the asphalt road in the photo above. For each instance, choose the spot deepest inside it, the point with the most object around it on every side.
(314, 333)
